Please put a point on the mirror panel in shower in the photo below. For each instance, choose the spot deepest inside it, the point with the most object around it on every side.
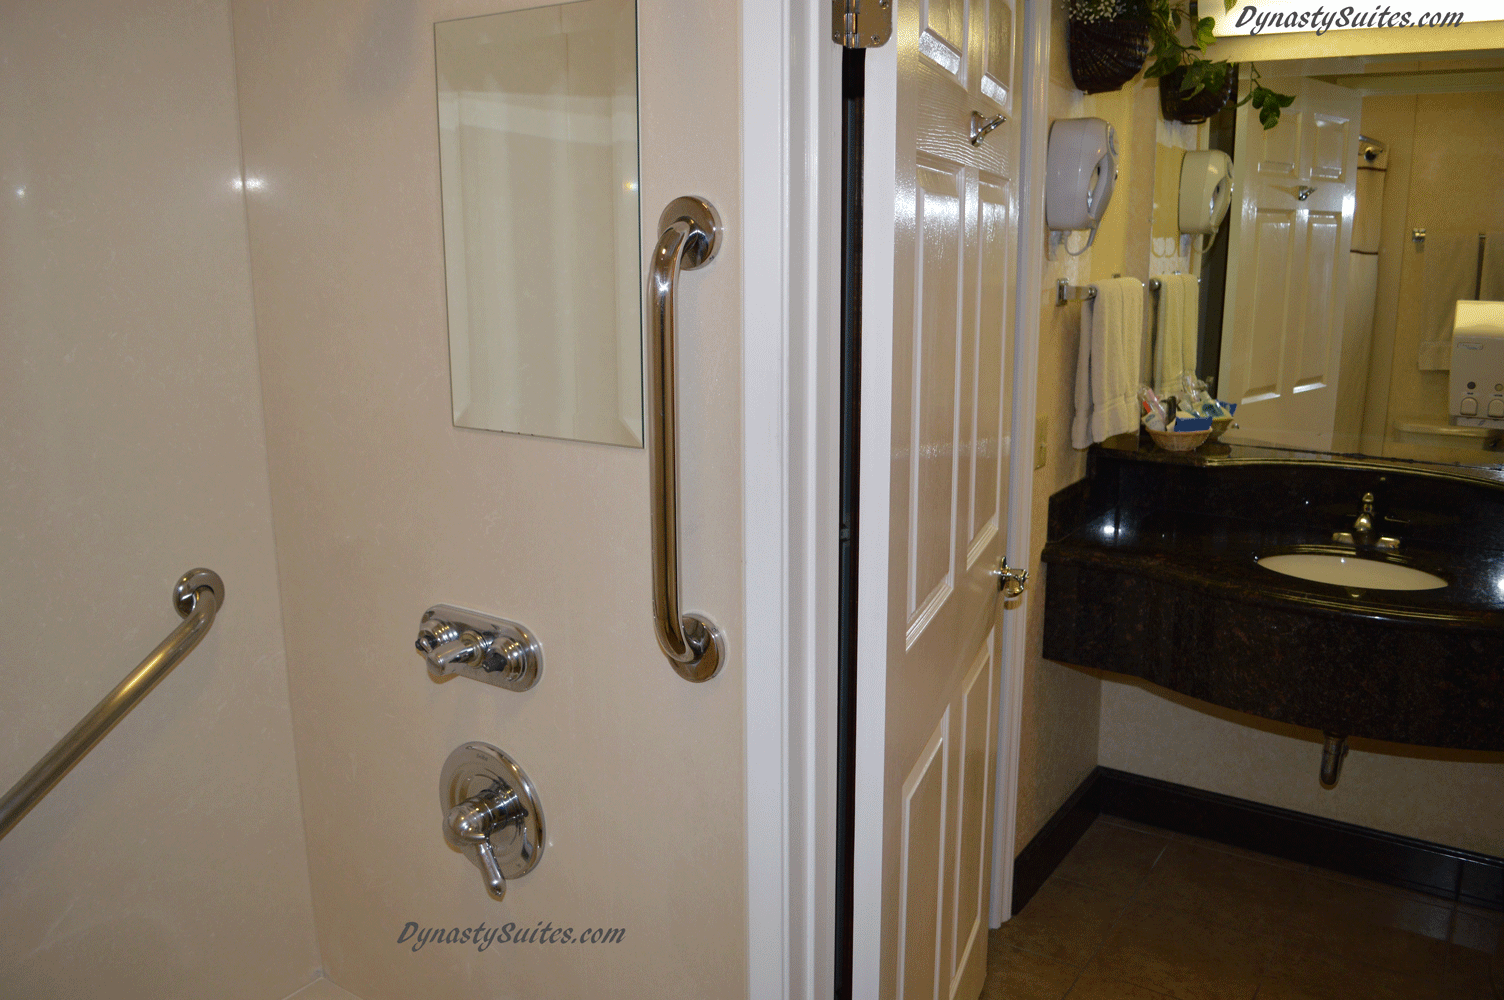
(538, 162)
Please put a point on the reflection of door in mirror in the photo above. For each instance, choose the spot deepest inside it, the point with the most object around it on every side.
(538, 159)
(1288, 266)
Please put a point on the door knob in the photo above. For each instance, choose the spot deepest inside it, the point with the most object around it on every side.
(491, 650)
(1303, 192)
(1009, 580)
(492, 813)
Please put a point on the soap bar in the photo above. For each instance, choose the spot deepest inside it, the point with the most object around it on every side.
(1183, 424)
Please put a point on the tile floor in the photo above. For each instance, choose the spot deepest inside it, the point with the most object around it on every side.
(1135, 913)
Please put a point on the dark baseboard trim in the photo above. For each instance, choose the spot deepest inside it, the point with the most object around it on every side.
(1042, 855)
(1404, 862)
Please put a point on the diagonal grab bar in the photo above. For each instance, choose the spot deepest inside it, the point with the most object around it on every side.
(689, 235)
(197, 597)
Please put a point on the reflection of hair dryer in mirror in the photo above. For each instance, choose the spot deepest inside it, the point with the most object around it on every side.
(1082, 168)
(1205, 193)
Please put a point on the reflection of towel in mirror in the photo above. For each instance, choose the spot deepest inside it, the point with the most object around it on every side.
(1491, 288)
(1107, 365)
(1449, 273)
(1177, 325)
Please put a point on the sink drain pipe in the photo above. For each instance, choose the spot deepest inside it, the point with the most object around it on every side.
(1332, 753)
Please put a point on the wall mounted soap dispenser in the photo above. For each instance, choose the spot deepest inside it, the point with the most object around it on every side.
(1081, 170)
(1205, 193)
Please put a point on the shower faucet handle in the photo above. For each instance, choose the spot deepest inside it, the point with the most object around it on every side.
(472, 822)
(493, 650)
(493, 813)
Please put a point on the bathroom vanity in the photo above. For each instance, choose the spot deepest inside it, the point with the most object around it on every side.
(1154, 570)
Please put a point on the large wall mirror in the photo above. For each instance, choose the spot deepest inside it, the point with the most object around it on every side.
(1327, 298)
(538, 163)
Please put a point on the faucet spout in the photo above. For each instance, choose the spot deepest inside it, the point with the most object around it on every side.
(1365, 530)
(1363, 526)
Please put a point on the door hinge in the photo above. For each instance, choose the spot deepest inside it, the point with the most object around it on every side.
(861, 24)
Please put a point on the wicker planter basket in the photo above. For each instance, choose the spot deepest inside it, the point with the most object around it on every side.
(1104, 55)
(1194, 110)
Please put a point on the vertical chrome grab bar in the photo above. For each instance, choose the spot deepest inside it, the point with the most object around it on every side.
(197, 598)
(689, 236)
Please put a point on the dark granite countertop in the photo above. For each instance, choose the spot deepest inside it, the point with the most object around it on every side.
(1219, 554)
(1152, 571)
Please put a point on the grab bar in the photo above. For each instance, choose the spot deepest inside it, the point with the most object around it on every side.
(689, 236)
(197, 597)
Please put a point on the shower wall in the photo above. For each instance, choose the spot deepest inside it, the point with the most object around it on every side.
(170, 863)
(384, 507)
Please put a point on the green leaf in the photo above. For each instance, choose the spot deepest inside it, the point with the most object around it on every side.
(1259, 95)
(1204, 36)
(1162, 67)
(1284, 100)
(1228, 5)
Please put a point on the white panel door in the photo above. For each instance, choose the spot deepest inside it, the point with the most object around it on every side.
(1292, 226)
(939, 233)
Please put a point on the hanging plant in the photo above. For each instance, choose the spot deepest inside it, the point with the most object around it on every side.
(1183, 69)
(1106, 47)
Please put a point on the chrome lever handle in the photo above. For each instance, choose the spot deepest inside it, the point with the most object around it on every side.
(1010, 581)
(473, 821)
(689, 236)
(493, 813)
(981, 126)
(492, 650)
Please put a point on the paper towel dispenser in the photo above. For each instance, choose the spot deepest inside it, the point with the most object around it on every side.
(1205, 192)
(1477, 378)
(1082, 167)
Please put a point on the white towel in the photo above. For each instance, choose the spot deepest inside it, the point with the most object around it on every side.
(1450, 273)
(1107, 365)
(1492, 287)
(1178, 326)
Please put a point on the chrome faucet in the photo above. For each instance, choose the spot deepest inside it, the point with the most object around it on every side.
(1364, 530)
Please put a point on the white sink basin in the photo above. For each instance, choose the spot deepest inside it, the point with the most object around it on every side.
(1351, 571)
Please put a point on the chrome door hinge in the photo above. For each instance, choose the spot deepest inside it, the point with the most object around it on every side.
(861, 24)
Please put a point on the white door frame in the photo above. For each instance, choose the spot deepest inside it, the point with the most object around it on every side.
(791, 197)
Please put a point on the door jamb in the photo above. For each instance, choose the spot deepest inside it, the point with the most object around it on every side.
(790, 140)
(1034, 133)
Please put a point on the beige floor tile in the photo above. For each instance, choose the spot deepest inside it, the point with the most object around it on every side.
(1181, 955)
(1298, 974)
(1091, 988)
(1392, 890)
(1395, 932)
(1064, 921)
(1019, 975)
(1469, 975)
(1478, 930)
(1226, 889)
(1112, 857)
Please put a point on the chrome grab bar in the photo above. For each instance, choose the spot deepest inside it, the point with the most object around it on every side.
(689, 236)
(198, 596)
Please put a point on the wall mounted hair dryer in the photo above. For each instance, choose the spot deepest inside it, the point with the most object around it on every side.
(1082, 167)
(1205, 193)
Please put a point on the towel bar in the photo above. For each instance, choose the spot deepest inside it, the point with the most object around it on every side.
(1067, 292)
